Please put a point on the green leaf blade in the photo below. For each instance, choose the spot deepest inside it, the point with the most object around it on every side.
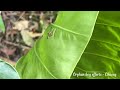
(7, 71)
(102, 55)
(2, 27)
(56, 56)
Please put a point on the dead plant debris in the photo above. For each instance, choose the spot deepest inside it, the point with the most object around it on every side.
(23, 28)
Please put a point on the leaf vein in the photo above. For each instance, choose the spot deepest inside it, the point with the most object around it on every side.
(107, 25)
(42, 62)
(68, 30)
(105, 42)
(102, 56)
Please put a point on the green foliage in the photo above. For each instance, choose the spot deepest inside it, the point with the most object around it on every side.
(2, 27)
(58, 52)
(7, 71)
(102, 54)
(67, 49)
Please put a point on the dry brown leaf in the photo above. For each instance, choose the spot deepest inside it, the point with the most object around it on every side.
(27, 38)
(33, 35)
(21, 25)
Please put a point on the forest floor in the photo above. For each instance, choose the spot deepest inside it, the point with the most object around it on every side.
(22, 29)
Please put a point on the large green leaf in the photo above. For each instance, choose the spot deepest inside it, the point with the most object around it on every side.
(102, 54)
(7, 71)
(56, 56)
(2, 27)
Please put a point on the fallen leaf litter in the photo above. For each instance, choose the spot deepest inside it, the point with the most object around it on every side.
(23, 28)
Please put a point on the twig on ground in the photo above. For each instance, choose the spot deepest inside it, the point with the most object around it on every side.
(17, 45)
(21, 16)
